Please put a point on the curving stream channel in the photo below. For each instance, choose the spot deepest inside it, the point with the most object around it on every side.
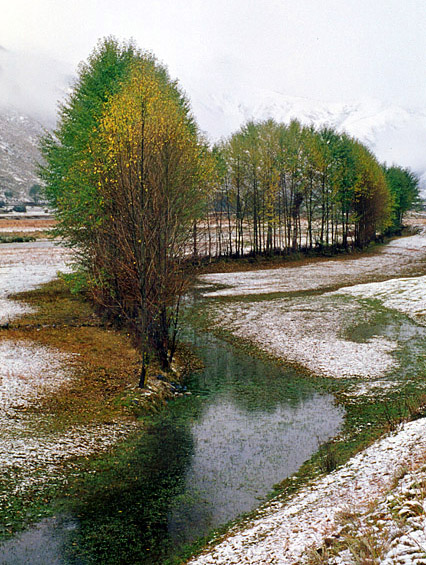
(252, 425)
(206, 459)
(216, 453)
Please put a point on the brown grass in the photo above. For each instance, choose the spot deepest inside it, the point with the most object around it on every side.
(105, 364)
(26, 227)
(14, 224)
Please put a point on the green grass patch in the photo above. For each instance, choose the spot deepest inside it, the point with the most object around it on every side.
(16, 238)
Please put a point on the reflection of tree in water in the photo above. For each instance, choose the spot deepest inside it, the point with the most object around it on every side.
(123, 515)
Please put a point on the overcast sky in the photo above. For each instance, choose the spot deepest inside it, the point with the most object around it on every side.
(333, 50)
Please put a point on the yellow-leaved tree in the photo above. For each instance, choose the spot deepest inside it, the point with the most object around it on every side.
(153, 176)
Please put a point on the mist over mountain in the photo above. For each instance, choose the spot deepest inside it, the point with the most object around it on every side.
(32, 85)
(395, 134)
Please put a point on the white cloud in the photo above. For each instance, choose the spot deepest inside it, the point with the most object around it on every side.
(33, 84)
(332, 50)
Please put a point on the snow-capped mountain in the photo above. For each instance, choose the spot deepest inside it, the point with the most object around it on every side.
(30, 88)
(33, 84)
(395, 134)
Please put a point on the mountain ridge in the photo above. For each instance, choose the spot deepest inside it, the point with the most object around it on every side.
(396, 134)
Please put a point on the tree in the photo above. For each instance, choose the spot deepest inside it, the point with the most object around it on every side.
(152, 177)
(36, 192)
(404, 188)
(68, 169)
(372, 200)
(285, 185)
(133, 184)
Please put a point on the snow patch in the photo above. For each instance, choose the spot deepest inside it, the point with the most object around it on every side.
(398, 256)
(406, 295)
(311, 333)
(283, 531)
(25, 266)
(28, 372)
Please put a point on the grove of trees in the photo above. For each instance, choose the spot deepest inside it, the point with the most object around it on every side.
(404, 188)
(287, 187)
(139, 194)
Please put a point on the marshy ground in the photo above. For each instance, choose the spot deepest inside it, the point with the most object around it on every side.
(351, 328)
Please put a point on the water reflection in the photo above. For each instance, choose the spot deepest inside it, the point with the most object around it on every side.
(42, 544)
(201, 462)
(257, 425)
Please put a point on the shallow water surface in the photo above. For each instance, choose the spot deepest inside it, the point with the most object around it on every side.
(207, 458)
(256, 425)
(43, 544)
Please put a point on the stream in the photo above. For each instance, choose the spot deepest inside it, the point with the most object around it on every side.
(244, 425)
(206, 459)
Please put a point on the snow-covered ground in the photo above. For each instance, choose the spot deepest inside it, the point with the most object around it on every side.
(401, 256)
(29, 371)
(407, 295)
(24, 266)
(24, 229)
(311, 332)
(395, 528)
(284, 531)
(317, 332)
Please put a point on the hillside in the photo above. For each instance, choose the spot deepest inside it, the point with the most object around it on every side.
(18, 154)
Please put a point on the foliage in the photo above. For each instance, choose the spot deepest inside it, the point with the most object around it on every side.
(36, 192)
(19, 208)
(16, 238)
(404, 188)
(280, 183)
(127, 174)
(67, 171)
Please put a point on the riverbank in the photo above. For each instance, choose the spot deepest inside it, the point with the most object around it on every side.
(368, 342)
(83, 373)
(68, 387)
(380, 489)
(86, 369)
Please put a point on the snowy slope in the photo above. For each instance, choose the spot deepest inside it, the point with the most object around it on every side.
(396, 135)
(18, 153)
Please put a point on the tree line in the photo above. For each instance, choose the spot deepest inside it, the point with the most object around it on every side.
(139, 194)
(288, 187)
